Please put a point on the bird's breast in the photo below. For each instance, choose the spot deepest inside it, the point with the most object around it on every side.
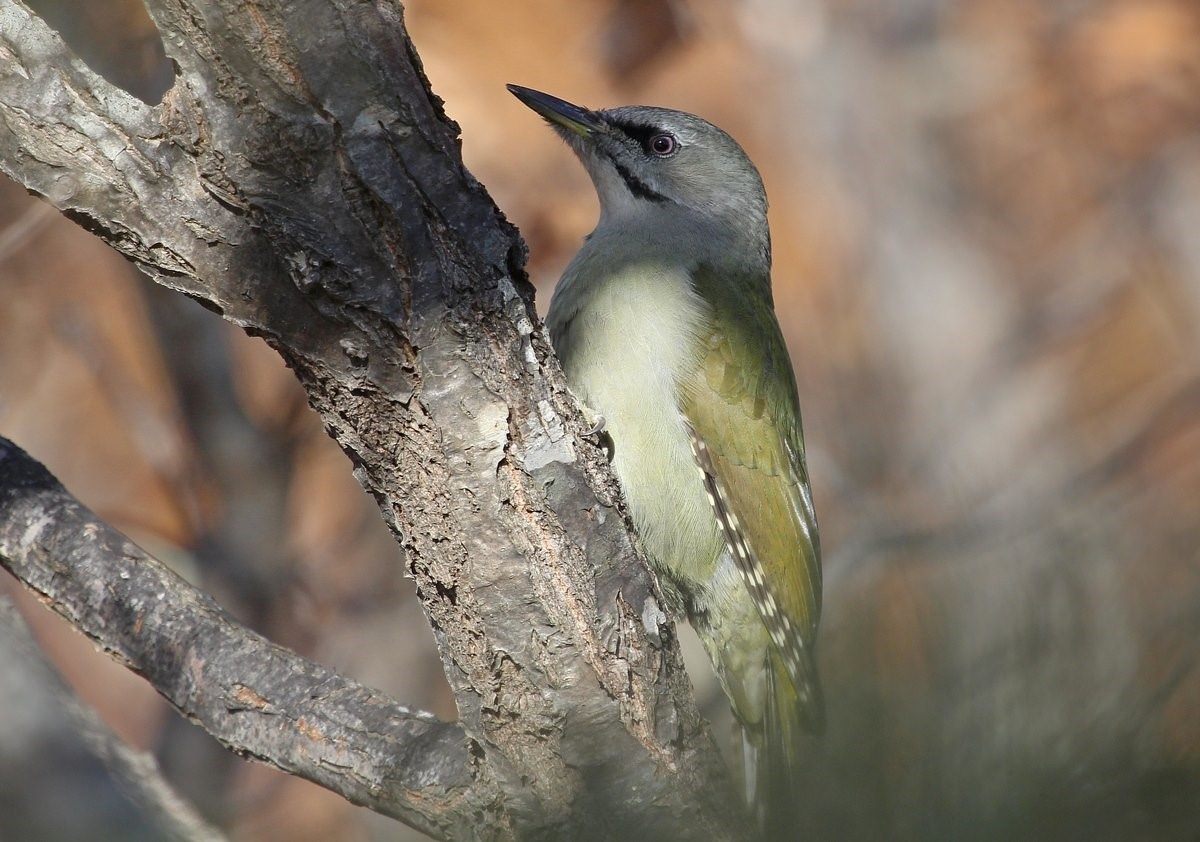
(627, 340)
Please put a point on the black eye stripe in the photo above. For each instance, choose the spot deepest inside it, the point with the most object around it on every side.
(640, 133)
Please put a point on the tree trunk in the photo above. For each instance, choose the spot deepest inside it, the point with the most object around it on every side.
(301, 180)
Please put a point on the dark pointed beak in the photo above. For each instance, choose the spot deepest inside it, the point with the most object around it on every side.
(558, 112)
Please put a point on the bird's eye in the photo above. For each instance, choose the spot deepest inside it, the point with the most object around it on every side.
(663, 145)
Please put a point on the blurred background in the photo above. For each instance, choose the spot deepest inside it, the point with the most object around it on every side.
(987, 266)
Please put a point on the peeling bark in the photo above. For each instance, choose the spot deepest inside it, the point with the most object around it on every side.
(301, 180)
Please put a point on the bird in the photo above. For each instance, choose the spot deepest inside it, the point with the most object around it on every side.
(665, 326)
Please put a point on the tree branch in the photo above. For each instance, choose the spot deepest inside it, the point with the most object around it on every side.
(257, 698)
(301, 179)
(135, 771)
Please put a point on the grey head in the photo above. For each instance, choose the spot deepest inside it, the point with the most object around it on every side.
(657, 169)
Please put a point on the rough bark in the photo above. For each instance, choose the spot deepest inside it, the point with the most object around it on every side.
(301, 180)
(257, 698)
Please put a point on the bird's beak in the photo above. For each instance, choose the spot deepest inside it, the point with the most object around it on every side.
(558, 112)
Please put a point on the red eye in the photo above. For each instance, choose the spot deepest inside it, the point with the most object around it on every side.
(663, 145)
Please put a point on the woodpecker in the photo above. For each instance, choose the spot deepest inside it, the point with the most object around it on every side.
(665, 326)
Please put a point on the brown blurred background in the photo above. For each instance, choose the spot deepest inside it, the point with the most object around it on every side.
(987, 267)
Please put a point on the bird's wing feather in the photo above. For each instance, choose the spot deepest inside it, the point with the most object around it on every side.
(742, 409)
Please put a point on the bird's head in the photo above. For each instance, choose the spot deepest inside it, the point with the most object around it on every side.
(656, 164)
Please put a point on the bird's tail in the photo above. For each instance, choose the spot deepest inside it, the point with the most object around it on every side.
(774, 751)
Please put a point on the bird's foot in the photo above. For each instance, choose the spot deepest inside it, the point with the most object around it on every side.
(596, 430)
(597, 421)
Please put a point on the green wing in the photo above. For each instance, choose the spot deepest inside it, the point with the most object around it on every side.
(745, 420)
